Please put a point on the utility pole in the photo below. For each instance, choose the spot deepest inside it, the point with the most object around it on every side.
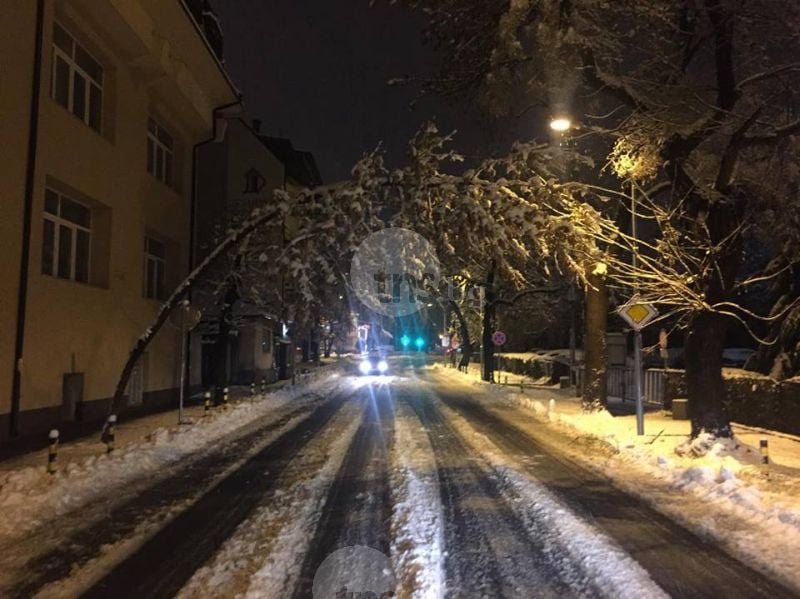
(637, 333)
(571, 297)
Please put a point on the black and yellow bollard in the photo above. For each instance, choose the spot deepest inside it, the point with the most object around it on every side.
(52, 452)
(111, 430)
(225, 398)
(764, 446)
(263, 385)
(206, 403)
(252, 391)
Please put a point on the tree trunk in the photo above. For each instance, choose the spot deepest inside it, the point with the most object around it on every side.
(219, 368)
(595, 359)
(487, 346)
(705, 341)
(466, 343)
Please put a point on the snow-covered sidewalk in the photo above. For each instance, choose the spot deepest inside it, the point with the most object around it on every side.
(135, 430)
(716, 488)
(29, 496)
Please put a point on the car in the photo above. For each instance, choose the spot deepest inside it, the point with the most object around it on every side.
(373, 363)
(736, 356)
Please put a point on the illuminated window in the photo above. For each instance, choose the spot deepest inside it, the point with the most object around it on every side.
(77, 79)
(66, 239)
(160, 152)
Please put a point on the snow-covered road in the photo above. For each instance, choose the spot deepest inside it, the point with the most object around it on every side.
(412, 482)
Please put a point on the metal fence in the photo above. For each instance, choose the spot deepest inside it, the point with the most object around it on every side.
(620, 385)
(654, 386)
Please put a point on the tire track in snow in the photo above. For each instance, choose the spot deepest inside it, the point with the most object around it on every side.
(417, 517)
(263, 556)
(144, 511)
(662, 547)
(489, 551)
(357, 508)
(161, 566)
(606, 569)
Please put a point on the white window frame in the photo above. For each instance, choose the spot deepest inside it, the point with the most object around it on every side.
(74, 67)
(160, 167)
(160, 265)
(59, 222)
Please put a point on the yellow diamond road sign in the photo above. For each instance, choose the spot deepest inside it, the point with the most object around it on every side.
(637, 314)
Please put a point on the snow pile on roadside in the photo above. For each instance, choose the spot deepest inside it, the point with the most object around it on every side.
(29, 496)
(714, 487)
(264, 556)
(712, 469)
(417, 518)
(611, 570)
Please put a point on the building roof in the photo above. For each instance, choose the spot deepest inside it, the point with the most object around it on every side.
(207, 24)
(300, 165)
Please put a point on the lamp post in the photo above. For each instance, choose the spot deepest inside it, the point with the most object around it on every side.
(637, 333)
(560, 124)
(572, 297)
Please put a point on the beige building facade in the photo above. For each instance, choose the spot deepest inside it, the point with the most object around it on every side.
(96, 184)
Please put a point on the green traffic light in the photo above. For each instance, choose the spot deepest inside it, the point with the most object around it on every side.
(419, 342)
(405, 340)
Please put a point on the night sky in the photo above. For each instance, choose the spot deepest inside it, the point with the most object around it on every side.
(316, 71)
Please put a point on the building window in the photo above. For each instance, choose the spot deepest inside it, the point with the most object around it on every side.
(160, 152)
(155, 266)
(77, 79)
(66, 241)
(253, 181)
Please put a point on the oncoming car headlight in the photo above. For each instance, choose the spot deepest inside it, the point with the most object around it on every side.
(383, 366)
(365, 367)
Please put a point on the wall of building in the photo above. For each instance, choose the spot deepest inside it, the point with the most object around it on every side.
(90, 328)
(17, 22)
(255, 357)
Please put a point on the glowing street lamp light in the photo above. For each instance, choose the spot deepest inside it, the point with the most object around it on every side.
(560, 124)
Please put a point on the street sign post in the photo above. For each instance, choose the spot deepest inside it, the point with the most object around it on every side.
(638, 315)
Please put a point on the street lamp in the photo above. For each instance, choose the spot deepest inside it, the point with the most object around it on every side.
(560, 124)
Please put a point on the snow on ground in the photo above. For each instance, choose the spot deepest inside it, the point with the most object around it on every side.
(82, 578)
(611, 570)
(264, 557)
(417, 518)
(29, 497)
(714, 487)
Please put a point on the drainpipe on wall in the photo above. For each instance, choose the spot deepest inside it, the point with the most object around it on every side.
(30, 172)
(192, 224)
